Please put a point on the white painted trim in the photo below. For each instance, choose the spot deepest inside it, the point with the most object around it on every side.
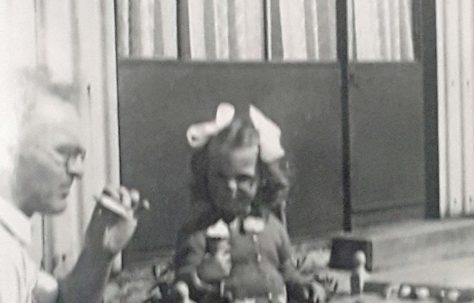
(467, 74)
(442, 134)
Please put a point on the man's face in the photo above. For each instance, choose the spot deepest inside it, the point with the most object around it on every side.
(49, 158)
(233, 180)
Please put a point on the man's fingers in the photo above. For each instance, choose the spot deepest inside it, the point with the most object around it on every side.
(125, 197)
(113, 206)
(143, 205)
(111, 191)
(98, 208)
(135, 196)
(122, 201)
(138, 204)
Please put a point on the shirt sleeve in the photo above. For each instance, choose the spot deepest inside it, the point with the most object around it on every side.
(46, 289)
(10, 282)
(21, 281)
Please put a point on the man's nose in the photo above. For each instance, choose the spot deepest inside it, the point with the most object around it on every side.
(232, 185)
(75, 167)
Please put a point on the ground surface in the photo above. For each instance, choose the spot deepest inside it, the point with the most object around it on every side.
(133, 284)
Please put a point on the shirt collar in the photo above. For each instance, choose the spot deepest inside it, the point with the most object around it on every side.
(15, 221)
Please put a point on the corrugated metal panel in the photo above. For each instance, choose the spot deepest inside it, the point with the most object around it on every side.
(442, 142)
(147, 28)
(467, 92)
(456, 109)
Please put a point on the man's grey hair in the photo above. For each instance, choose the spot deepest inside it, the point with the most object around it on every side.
(20, 93)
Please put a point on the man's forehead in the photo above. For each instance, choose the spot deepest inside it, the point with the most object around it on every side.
(52, 110)
(53, 117)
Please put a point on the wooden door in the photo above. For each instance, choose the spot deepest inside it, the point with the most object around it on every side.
(386, 119)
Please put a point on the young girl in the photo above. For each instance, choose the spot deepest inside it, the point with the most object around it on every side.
(238, 250)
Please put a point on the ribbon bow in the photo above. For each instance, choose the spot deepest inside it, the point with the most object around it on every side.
(269, 133)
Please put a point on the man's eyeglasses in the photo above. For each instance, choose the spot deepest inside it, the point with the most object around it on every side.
(71, 156)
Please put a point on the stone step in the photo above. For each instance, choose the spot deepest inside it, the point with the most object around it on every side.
(404, 243)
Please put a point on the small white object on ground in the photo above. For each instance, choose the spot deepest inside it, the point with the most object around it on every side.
(359, 274)
(453, 295)
(405, 291)
(422, 293)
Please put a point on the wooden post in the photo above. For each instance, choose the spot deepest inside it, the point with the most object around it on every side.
(428, 56)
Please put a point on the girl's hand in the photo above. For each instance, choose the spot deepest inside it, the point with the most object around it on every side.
(329, 284)
(216, 266)
(315, 293)
(310, 292)
(223, 256)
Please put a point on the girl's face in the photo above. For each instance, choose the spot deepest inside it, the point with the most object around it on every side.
(233, 180)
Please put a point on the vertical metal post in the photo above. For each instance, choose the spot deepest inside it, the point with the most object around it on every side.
(428, 56)
(343, 59)
(267, 56)
(182, 31)
(272, 30)
(416, 14)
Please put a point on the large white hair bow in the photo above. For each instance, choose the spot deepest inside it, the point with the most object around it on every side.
(270, 147)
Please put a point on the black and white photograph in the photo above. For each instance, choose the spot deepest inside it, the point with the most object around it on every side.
(236, 151)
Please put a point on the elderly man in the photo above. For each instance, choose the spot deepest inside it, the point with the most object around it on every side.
(45, 159)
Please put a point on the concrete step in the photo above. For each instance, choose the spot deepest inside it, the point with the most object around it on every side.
(404, 243)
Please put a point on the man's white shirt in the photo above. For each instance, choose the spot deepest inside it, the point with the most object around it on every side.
(21, 280)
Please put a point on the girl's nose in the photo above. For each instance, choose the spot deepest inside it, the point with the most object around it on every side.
(232, 185)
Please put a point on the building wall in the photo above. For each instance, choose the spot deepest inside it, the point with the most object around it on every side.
(455, 35)
(78, 44)
(262, 30)
(76, 40)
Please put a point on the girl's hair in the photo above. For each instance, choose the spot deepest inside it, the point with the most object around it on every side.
(274, 182)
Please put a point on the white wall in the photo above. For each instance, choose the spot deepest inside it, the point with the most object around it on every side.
(455, 34)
